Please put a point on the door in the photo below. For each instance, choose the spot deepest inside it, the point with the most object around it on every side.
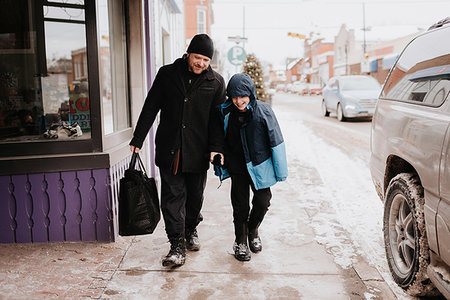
(331, 97)
(443, 213)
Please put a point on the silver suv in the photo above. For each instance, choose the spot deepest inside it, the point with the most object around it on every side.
(410, 163)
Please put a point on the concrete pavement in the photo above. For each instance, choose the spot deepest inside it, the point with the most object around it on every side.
(292, 264)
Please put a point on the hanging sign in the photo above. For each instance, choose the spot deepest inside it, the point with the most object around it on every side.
(237, 55)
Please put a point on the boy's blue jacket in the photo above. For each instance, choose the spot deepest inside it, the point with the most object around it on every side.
(264, 148)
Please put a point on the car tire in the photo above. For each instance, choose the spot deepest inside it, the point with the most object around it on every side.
(340, 113)
(405, 237)
(325, 111)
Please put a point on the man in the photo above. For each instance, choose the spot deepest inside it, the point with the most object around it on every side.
(187, 92)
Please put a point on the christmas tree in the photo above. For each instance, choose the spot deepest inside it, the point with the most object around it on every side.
(253, 68)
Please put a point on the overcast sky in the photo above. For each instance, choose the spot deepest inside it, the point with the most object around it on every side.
(267, 22)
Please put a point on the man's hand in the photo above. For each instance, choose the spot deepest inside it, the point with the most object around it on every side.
(134, 149)
(211, 157)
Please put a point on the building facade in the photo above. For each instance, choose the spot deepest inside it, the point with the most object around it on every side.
(73, 78)
(199, 17)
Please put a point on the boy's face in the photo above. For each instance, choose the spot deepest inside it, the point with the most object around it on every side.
(241, 102)
(198, 63)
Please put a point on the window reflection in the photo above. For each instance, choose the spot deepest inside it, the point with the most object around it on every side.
(422, 73)
(36, 102)
(113, 65)
(52, 12)
(65, 92)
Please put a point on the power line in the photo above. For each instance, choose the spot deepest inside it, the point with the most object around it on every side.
(358, 2)
(321, 27)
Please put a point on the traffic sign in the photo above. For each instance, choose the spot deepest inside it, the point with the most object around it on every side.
(237, 55)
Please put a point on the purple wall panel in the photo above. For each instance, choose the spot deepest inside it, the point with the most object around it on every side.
(39, 230)
(56, 220)
(56, 207)
(104, 216)
(23, 234)
(6, 233)
(72, 206)
(87, 225)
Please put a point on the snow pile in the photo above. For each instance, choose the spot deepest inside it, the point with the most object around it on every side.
(337, 192)
(340, 197)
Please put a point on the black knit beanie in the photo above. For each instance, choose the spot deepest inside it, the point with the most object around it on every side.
(201, 44)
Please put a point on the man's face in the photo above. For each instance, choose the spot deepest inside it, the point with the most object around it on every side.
(198, 63)
(241, 103)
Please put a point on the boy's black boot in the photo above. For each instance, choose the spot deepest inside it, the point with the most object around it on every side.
(254, 240)
(256, 216)
(240, 247)
(192, 240)
(177, 253)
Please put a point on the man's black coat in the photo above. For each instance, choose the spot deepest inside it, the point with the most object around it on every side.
(188, 120)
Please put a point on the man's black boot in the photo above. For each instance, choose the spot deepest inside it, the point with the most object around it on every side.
(192, 240)
(240, 246)
(177, 253)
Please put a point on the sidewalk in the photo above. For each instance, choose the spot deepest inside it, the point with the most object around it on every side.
(292, 264)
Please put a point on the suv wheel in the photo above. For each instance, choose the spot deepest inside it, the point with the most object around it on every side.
(340, 113)
(405, 236)
(325, 111)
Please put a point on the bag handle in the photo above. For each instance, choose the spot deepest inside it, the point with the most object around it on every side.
(133, 161)
(135, 157)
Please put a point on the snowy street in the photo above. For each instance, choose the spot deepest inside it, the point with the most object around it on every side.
(322, 235)
(329, 171)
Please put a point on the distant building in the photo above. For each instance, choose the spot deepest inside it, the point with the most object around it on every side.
(294, 70)
(382, 56)
(199, 17)
(318, 63)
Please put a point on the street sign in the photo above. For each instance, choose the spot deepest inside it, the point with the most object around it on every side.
(236, 55)
(237, 39)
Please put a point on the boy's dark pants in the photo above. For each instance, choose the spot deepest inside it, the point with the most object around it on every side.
(245, 220)
(181, 200)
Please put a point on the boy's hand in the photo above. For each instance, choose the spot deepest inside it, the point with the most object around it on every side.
(212, 157)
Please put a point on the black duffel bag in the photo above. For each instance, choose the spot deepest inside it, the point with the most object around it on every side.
(138, 201)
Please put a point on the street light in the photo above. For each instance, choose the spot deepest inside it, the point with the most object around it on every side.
(297, 35)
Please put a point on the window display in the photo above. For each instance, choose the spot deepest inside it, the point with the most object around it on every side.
(44, 91)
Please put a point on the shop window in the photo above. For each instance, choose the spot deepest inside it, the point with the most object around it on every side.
(113, 65)
(44, 91)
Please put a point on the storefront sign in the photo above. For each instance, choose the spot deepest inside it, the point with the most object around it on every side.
(80, 111)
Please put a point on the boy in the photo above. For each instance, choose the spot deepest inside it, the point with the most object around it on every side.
(255, 158)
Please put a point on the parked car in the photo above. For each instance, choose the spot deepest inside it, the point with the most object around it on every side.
(295, 87)
(410, 163)
(314, 89)
(280, 87)
(288, 88)
(350, 96)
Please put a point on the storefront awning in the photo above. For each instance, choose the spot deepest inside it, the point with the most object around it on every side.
(389, 61)
(373, 65)
(174, 6)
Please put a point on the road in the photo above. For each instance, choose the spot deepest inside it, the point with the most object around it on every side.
(344, 135)
(329, 169)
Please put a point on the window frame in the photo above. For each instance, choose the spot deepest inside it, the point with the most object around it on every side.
(394, 67)
(97, 152)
